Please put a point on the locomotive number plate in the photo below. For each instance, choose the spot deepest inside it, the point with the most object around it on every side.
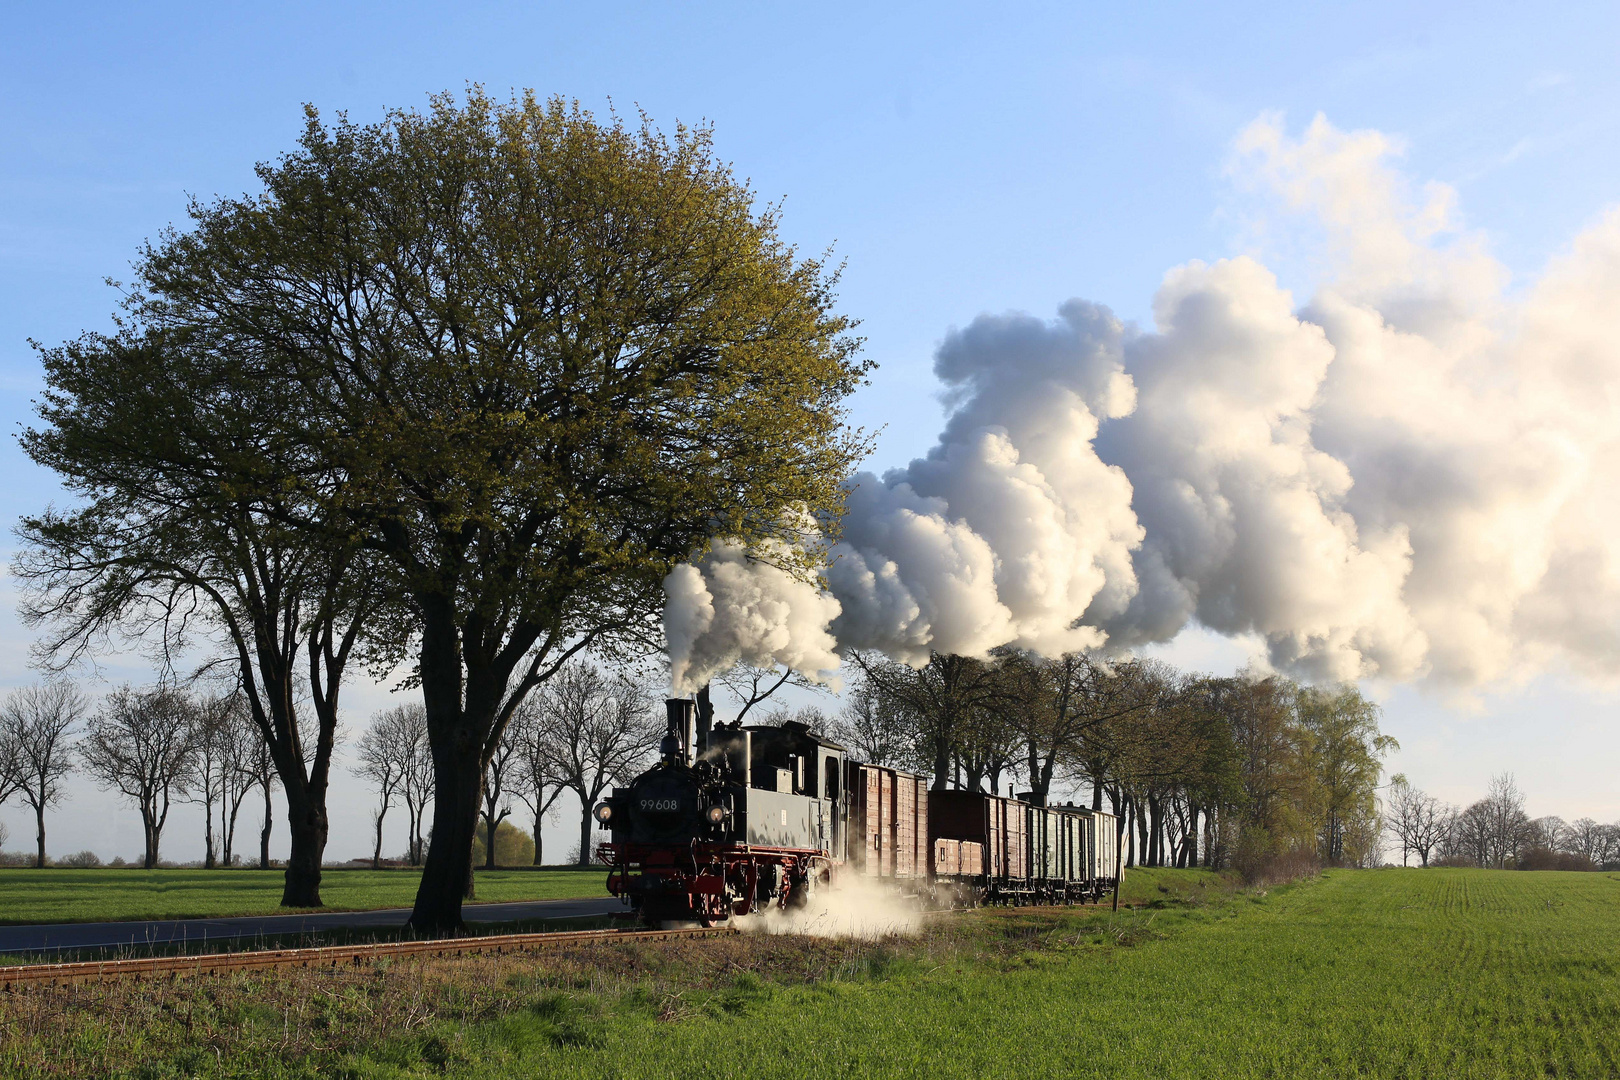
(655, 805)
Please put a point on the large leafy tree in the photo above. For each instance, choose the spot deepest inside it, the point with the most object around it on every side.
(526, 362)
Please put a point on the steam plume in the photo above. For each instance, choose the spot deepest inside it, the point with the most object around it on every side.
(1411, 475)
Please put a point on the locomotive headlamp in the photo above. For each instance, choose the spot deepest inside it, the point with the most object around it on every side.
(716, 814)
(603, 813)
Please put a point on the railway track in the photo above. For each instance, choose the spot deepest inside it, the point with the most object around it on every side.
(329, 956)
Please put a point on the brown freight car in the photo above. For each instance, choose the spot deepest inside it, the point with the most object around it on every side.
(887, 837)
(997, 826)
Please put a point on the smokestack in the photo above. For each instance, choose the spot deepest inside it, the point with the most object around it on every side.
(676, 745)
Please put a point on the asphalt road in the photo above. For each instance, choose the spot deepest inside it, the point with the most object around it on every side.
(51, 938)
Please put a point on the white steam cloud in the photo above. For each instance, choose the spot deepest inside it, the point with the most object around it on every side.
(1412, 475)
(731, 608)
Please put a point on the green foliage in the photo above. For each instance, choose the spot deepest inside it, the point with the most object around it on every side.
(513, 847)
(545, 357)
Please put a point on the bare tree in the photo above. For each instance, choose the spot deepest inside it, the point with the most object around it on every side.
(1608, 848)
(1470, 835)
(258, 770)
(1585, 837)
(214, 766)
(241, 749)
(1508, 827)
(497, 776)
(535, 775)
(10, 764)
(1550, 832)
(1419, 821)
(598, 730)
(383, 750)
(38, 722)
(416, 784)
(752, 685)
(876, 726)
(143, 743)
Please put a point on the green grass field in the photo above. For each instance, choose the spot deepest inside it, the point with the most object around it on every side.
(106, 895)
(1419, 974)
(1366, 974)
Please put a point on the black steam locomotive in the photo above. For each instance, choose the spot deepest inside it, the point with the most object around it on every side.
(735, 820)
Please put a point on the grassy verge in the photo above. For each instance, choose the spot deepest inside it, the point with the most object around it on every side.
(1367, 974)
(105, 895)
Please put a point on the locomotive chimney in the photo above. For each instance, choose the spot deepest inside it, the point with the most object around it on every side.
(676, 744)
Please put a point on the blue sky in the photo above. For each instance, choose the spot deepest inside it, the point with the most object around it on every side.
(962, 159)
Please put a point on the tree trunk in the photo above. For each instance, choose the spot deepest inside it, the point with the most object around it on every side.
(264, 833)
(1155, 850)
(585, 823)
(376, 851)
(537, 861)
(149, 860)
(227, 832)
(447, 870)
(209, 861)
(942, 764)
(1128, 822)
(39, 820)
(489, 847)
(306, 825)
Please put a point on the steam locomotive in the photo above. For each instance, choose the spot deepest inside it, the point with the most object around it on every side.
(735, 820)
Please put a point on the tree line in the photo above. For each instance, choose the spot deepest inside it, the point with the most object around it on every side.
(583, 731)
(1200, 770)
(154, 746)
(1495, 832)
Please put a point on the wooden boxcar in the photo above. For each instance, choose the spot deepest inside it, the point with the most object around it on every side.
(1000, 829)
(887, 834)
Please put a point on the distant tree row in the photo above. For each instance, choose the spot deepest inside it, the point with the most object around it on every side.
(581, 732)
(1495, 832)
(154, 746)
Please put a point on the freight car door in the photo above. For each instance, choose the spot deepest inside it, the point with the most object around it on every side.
(873, 818)
(886, 801)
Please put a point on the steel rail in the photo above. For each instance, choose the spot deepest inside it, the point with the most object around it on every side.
(327, 956)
